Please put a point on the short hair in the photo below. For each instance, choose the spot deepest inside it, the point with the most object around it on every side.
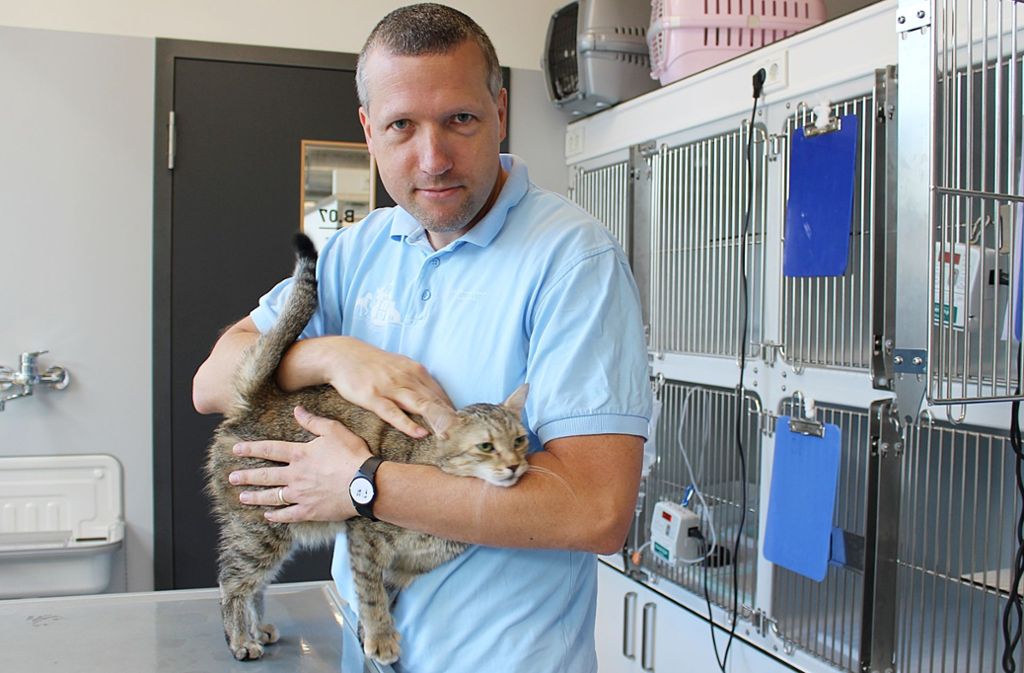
(426, 28)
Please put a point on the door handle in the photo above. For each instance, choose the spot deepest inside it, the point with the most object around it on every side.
(629, 625)
(647, 648)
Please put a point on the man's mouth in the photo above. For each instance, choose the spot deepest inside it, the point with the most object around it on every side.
(438, 192)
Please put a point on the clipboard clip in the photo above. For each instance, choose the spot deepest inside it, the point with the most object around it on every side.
(823, 122)
(804, 421)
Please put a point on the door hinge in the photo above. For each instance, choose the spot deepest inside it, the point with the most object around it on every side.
(171, 140)
(766, 422)
(773, 147)
(770, 352)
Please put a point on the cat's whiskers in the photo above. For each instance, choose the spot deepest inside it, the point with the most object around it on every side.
(537, 469)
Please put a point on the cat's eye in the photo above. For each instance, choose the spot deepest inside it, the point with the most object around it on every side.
(520, 440)
(486, 447)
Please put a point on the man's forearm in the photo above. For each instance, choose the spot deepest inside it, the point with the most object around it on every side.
(554, 505)
(213, 386)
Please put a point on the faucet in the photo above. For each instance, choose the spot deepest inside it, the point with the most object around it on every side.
(27, 377)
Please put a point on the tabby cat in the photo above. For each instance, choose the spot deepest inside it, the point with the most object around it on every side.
(482, 440)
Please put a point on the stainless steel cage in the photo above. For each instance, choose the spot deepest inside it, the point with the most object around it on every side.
(701, 421)
(826, 321)
(976, 164)
(698, 202)
(605, 193)
(956, 549)
(825, 618)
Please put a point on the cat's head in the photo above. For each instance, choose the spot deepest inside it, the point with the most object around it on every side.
(487, 441)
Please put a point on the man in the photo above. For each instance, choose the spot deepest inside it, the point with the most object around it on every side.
(477, 282)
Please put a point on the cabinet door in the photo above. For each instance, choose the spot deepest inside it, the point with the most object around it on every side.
(617, 631)
(662, 636)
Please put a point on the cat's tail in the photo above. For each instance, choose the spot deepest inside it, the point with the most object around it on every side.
(260, 363)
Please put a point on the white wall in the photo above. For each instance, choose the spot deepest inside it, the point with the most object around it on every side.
(517, 27)
(76, 212)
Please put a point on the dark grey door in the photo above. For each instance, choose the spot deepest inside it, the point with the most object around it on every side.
(225, 215)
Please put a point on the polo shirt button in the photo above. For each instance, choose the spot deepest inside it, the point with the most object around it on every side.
(426, 295)
(435, 262)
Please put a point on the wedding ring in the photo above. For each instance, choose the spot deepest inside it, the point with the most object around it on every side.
(280, 497)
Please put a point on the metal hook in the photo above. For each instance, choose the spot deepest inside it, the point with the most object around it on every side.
(959, 419)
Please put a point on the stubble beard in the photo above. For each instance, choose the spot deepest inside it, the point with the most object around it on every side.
(438, 225)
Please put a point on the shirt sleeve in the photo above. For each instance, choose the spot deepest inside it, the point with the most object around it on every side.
(587, 362)
(327, 317)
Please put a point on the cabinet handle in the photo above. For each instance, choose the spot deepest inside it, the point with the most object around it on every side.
(629, 626)
(647, 648)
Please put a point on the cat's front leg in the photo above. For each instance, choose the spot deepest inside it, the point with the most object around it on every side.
(370, 555)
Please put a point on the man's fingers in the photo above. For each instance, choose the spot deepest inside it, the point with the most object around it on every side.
(267, 497)
(291, 514)
(391, 414)
(321, 426)
(260, 476)
(318, 425)
(278, 452)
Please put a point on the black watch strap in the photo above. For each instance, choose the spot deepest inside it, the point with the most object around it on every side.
(368, 470)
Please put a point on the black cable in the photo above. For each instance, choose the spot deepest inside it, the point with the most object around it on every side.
(1014, 609)
(758, 84)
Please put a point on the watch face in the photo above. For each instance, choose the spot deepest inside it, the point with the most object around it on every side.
(361, 490)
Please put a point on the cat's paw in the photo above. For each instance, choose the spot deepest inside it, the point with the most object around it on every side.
(244, 650)
(382, 648)
(269, 634)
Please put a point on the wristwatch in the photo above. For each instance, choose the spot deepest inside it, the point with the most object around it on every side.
(363, 487)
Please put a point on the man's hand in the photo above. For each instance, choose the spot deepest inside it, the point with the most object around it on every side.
(390, 385)
(313, 481)
(387, 384)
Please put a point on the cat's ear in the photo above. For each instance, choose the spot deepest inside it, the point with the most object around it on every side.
(517, 400)
(440, 419)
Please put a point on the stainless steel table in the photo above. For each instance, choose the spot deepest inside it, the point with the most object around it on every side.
(176, 632)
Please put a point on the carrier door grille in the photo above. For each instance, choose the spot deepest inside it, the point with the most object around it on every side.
(563, 72)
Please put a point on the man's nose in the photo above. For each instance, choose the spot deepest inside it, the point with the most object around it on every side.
(435, 157)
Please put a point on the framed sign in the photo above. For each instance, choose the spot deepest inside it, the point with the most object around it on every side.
(338, 187)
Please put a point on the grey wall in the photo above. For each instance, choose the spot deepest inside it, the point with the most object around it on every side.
(76, 132)
(537, 130)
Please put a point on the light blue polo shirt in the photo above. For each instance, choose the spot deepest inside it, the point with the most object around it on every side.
(536, 291)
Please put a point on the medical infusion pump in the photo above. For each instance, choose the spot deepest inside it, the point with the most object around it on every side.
(675, 532)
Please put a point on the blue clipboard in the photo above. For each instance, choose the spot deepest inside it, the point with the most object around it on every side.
(819, 211)
(802, 499)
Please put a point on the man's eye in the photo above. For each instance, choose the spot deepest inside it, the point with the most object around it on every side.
(463, 118)
(400, 125)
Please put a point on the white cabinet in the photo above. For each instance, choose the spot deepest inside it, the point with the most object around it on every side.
(641, 631)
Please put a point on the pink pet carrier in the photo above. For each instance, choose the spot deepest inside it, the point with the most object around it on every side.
(687, 36)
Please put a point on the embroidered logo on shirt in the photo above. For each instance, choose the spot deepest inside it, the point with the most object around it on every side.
(468, 295)
(378, 307)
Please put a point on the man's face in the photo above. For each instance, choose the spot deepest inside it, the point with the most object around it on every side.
(435, 130)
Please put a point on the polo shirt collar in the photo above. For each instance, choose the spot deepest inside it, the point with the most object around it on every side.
(405, 227)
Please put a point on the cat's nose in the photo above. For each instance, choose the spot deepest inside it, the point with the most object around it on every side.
(512, 468)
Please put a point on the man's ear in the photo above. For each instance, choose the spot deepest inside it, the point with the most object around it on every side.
(517, 400)
(503, 113)
(364, 121)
